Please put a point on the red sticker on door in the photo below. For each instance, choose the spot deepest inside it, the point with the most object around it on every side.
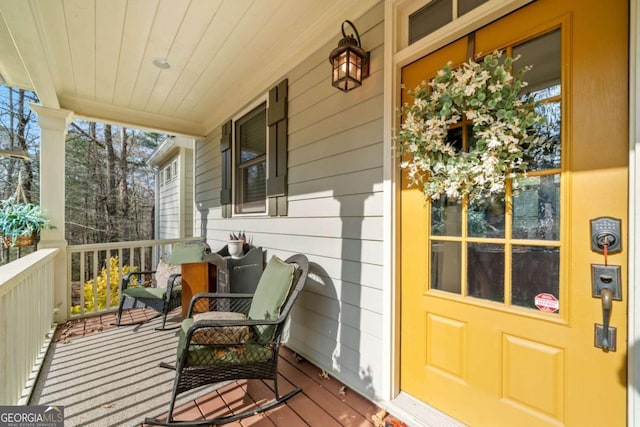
(547, 302)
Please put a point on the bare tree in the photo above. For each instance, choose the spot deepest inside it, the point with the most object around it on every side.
(16, 123)
(118, 162)
(110, 188)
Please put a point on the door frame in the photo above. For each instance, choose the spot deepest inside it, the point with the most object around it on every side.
(395, 57)
(633, 351)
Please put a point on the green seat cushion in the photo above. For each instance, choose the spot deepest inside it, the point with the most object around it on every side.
(271, 293)
(142, 292)
(211, 355)
(185, 253)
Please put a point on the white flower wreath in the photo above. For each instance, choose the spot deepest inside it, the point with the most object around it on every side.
(487, 95)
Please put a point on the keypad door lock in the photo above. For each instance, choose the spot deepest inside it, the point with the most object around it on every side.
(606, 231)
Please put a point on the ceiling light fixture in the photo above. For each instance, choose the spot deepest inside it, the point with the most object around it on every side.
(161, 63)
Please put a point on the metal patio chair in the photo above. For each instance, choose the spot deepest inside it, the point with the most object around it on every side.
(229, 337)
(159, 290)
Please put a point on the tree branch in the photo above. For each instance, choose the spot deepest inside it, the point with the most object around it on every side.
(87, 135)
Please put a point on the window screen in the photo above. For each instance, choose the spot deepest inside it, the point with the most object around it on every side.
(251, 161)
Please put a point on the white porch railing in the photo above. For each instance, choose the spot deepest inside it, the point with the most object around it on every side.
(95, 271)
(26, 323)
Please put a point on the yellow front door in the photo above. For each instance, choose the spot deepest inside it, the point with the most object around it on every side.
(497, 323)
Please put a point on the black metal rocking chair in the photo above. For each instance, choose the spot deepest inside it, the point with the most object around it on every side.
(229, 337)
(155, 296)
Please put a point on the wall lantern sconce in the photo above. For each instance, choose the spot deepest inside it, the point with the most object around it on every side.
(349, 62)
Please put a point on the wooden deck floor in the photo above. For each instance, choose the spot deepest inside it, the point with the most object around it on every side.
(324, 401)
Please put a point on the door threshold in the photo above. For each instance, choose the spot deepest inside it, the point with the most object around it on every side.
(417, 413)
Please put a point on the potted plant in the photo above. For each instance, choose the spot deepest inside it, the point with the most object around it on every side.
(20, 223)
(236, 244)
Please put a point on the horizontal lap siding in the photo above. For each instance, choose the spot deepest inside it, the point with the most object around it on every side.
(169, 211)
(207, 177)
(187, 192)
(335, 208)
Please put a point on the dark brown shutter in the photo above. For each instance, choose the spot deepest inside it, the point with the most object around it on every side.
(277, 173)
(225, 149)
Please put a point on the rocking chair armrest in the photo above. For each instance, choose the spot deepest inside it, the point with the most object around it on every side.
(213, 296)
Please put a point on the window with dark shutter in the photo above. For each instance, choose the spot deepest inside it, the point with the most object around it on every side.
(258, 158)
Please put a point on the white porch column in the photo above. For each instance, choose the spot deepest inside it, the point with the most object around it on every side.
(53, 129)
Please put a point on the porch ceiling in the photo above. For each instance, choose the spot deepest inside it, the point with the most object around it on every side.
(94, 57)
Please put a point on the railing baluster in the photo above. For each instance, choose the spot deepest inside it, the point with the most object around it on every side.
(83, 272)
(142, 254)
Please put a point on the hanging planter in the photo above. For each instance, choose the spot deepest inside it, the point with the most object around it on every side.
(21, 241)
(487, 96)
(20, 222)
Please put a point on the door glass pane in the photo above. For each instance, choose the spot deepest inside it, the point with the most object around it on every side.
(485, 272)
(455, 138)
(486, 218)
(446, 217)
(535, 271)
(536, 208)
(544, 56)
(547, 154)
(445, 266)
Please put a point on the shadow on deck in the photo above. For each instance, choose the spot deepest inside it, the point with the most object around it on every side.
(107, 376)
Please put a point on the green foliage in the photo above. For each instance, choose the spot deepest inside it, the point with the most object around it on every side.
(20, 219)
(106, 279)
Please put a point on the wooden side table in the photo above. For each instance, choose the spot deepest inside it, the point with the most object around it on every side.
(196, 277)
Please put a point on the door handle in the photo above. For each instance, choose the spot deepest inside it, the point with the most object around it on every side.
(607, 301)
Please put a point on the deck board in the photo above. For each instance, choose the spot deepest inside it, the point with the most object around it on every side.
(356, 401)
(106, 376)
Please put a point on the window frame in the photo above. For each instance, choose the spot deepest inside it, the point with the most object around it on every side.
(174, 169)
(166, 174)
(235, 180)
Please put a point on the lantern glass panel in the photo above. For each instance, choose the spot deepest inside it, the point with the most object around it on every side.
(354, 66)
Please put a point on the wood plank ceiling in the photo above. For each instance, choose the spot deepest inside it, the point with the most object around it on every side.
(94, 57)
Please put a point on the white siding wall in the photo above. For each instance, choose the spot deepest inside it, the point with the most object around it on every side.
(335, 211)
(186, 180)
(169, 206)
(176, 208)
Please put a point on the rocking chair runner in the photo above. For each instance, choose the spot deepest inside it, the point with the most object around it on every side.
(229, 337)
